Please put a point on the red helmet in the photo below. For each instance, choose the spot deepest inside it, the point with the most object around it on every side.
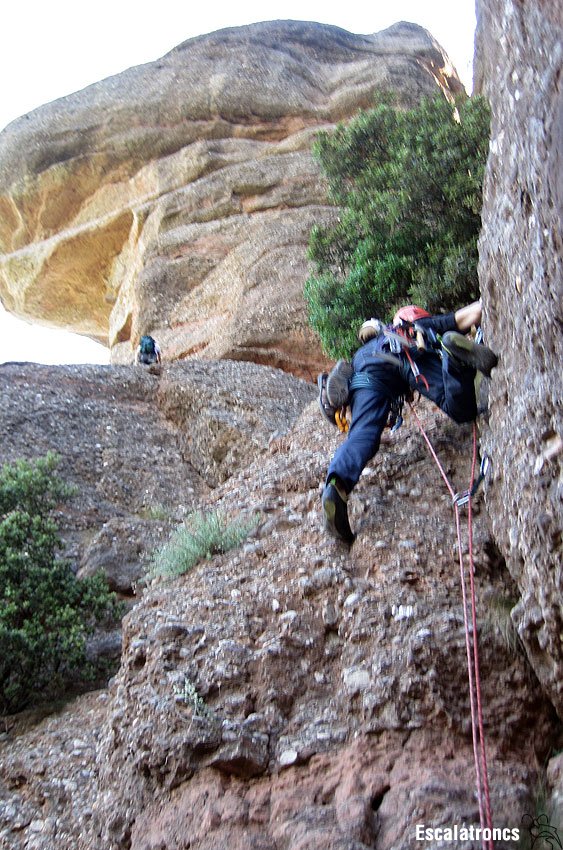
(411, 313)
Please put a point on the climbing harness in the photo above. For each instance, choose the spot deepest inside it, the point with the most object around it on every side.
(363, 380)
(334, 387)
(409, 336)
(405, 337)
(470, 623)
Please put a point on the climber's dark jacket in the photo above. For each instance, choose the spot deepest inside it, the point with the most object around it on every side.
(450, 386)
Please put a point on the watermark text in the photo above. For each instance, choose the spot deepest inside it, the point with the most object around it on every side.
(465, 833)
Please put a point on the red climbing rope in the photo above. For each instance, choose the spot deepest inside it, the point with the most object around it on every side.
(472, 650)
(485, 778)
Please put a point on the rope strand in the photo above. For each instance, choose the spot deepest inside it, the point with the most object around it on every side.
(470, 673)
(471, 646)
(475, 642)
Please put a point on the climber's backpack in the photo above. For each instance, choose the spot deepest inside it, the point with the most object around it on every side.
(334, 395)
(147, 346)
(334, 415)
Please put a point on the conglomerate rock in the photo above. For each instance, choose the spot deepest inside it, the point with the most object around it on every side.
(519, 60)
(290, 693)
(141, 448)
(178, 197)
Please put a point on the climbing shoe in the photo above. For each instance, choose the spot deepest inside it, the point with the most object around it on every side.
(337, 383)
(336, 513)
(469, 353)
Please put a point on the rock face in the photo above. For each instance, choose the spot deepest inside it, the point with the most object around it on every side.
(519, 56)
(287, 693)
(178, 197)
(141, 448)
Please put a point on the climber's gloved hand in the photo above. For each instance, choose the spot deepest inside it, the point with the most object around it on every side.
(369, 329)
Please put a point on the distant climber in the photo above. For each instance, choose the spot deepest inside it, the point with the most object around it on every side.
(148, 351)
(431, 354)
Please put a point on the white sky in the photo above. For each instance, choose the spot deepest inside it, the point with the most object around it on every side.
(51, 48)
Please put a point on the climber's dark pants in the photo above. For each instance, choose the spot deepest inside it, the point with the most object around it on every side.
(451, 387)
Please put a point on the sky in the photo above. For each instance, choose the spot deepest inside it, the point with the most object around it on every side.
(52, 48)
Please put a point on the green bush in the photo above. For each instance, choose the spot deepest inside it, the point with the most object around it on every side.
(200, 537)
(187, 694)
(46, 613)
(409, 186)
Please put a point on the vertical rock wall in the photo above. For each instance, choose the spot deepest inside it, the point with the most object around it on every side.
(519, 52)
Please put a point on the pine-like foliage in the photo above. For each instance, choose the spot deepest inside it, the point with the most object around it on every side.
(409, 187)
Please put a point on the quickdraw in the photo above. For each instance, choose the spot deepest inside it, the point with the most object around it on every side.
(341, 420)
(395, 419)
(416, 371)
(463, 498)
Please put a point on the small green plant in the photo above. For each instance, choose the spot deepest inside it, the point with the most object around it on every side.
(46, 613)
(157, 512)
(187, 693)
(200, 537)
(498, 619)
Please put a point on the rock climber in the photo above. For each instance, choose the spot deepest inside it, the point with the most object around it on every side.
(148, 351)
(431, 354)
